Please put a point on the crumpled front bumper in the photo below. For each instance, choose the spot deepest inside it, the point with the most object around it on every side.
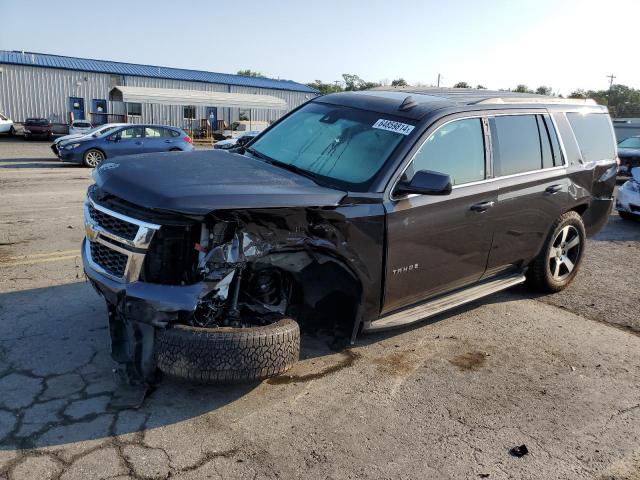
(158, 304)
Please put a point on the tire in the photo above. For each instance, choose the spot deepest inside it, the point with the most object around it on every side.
(558, 262)
(228, 355)
(92, 158)
(629, 217)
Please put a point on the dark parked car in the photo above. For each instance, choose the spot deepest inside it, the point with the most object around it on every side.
(364, 211)
(629, 154)
(37, 127)
(126, 140)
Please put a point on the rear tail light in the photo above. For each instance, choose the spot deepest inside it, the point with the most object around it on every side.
(188, 139)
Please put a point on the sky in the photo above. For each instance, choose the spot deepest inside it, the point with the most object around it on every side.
(496, 43)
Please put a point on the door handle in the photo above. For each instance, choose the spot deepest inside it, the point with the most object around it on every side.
(553, 189)
(482, 207)
(168, 141)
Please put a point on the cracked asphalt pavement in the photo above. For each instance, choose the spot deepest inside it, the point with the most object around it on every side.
(445, 399)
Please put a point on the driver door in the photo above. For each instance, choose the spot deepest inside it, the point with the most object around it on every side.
(438, 243)
(127, 141)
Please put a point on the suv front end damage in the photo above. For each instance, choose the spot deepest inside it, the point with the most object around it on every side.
(228, 269)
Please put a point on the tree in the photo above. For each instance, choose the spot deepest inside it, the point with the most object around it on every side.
(461, 85)
(325, 87)
(250, 73)
(542, 90)
(522, 89)
(354, 82)
(400, 82)
(622, 101)
(481, 87)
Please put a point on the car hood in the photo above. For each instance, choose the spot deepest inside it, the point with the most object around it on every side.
(72, 136)
(197, 183)
(628, 152)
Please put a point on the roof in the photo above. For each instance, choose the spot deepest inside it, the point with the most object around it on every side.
(119, 68)
(421, 101)
(172, 96)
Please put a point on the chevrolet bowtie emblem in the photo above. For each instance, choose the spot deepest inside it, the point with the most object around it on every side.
(90, 232)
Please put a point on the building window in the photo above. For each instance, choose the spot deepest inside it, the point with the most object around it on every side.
(189, 112)
(134, 109)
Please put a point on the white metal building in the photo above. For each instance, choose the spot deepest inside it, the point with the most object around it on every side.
(60, 88)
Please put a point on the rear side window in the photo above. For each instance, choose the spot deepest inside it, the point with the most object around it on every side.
(594, 136)
(516, 144)
(456, 149)
(171, 133)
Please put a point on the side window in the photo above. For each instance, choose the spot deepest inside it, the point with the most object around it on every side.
(558, 158)
(129, 133)
(153, 132)
(594, 136)
(456, 149)
(516, 144)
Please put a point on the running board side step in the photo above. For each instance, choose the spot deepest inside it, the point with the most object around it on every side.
(442, 304)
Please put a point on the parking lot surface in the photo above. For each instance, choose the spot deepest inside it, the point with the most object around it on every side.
(445, 399)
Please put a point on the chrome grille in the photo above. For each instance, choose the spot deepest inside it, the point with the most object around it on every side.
(115, 225)
(113, 262)
(116, 244)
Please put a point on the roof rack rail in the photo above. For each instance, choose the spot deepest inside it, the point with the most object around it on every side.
(560, 101)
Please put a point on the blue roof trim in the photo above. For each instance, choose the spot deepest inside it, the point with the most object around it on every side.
(119, 68)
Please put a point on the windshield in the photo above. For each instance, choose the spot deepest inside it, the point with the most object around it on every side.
(631, 142)
(102, 130)
(343, 147)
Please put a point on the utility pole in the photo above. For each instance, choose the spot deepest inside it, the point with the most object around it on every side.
(611, 78)
(438, 80)
(337, 82)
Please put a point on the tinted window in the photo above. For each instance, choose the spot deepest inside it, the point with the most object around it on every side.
(558, 158)
(456, 149)
(594, 136)
(82, 125)
(545, 143)
(172, 133)
(134, 109)
(189, 112)
(631, 142)
(135, 132)
(344, 147)
(516, 144)
(153, 132)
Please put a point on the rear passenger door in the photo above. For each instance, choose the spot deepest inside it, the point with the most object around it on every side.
(530, 174)
(154, 140)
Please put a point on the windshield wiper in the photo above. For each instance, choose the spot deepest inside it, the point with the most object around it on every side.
(283, 165)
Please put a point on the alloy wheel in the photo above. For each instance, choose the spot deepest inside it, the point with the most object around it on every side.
(93, 158)
(564, 253)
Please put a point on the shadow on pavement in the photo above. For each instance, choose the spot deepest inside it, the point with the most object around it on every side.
(57, 379)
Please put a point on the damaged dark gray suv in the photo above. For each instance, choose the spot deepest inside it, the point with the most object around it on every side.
(357, 212)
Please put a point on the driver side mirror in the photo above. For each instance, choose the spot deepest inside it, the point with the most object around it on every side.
(425, 182)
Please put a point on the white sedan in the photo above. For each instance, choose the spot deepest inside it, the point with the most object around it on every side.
(6, 125)
(80, 127)
(628, 197)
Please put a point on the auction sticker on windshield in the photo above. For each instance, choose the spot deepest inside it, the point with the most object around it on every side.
(392, 126)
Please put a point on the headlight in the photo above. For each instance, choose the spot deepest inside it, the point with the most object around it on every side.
(72, 146)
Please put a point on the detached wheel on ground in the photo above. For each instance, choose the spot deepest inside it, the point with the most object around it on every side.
(92, 158)
(560, 258)
(226, 355)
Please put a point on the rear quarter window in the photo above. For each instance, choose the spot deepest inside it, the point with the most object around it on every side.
(594, 136)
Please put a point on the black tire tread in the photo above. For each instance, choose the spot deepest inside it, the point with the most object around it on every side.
(228, 355)
(537, 275)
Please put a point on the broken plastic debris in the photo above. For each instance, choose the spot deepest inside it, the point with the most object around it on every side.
(519, 451)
